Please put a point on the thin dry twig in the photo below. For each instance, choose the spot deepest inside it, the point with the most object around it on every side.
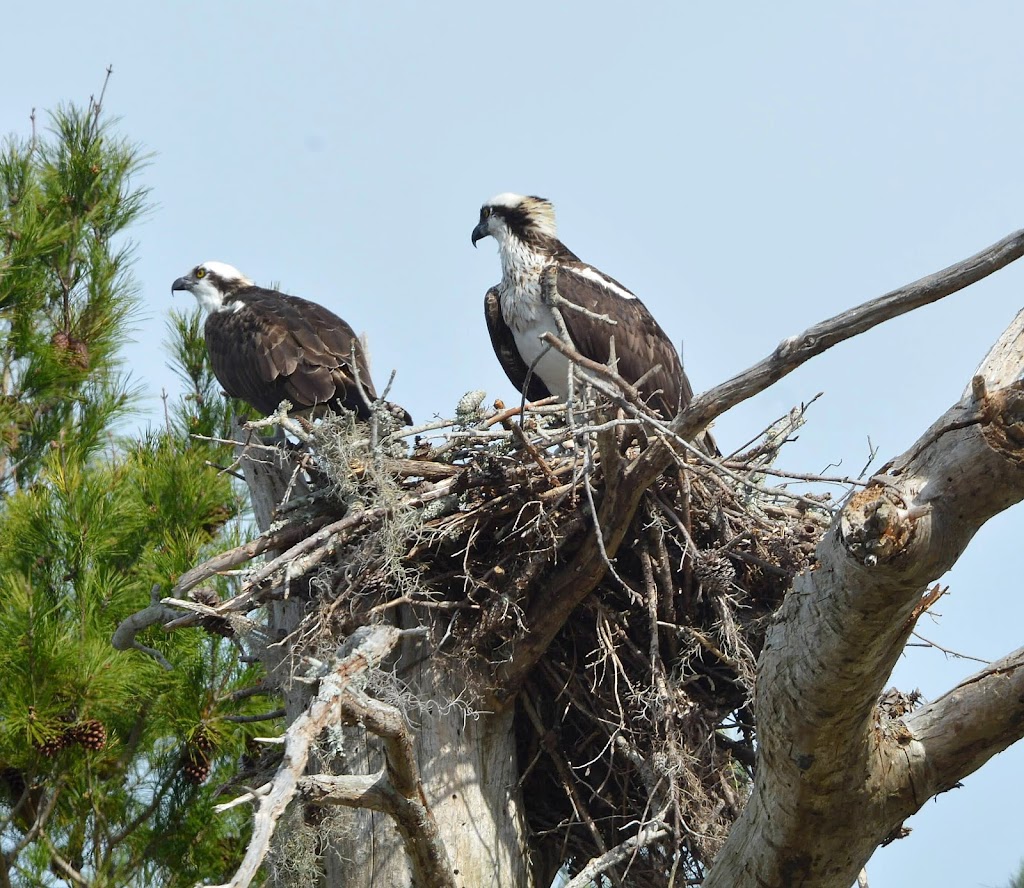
(956, 655)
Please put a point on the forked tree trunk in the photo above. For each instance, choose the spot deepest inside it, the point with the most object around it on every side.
(470, 781)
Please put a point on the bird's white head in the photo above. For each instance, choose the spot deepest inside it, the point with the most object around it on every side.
(212, 283)
(527, 219)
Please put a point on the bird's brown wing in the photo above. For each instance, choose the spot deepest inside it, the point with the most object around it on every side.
(278, 346)
(330, 351)
(505, 348)
(640, 343)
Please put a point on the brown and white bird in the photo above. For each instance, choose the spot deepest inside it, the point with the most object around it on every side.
(518, 314)
(267, 346)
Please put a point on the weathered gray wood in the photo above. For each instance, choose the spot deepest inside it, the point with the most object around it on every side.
(824, 761)
(466, 764)
(956, 734)
(339, 694)
(468, 770)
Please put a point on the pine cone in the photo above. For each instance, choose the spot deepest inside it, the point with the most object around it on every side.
(76, 352)
(196, 767)
(92, 733)
(202, 741)
(79, 353)
(53, 745)
(715, 571)
(196, 756)
(205, 595)
(215, 625)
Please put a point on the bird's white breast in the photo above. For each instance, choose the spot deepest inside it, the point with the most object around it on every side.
(529, 318)
(547, 363)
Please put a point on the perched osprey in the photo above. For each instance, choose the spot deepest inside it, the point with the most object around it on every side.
(517, 314)
(266, 346)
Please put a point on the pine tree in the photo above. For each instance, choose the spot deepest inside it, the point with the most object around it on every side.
(109, 763)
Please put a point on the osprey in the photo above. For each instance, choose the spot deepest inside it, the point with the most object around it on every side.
(518, 314)
(267, 346)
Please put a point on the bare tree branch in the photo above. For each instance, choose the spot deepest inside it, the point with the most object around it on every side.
(617, 855)
(63, 866)
(419, 831)
(797, 350)
(351, 791)
(277, 539)
(849, 617)
(987, 710)
(257, 717)
(123, 638)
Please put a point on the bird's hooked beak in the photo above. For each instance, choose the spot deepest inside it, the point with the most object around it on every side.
(481, 231)
(182, 283)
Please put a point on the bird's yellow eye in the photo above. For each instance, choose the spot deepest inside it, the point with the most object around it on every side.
(200, 273)
(484, 213)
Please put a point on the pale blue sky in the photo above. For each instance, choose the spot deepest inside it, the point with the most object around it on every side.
(747, 169)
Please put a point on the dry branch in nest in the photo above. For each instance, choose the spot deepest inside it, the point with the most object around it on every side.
(637, 711)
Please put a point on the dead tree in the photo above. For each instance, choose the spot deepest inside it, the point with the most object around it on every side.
(547, 637)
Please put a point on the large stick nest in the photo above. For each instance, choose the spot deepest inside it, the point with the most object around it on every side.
(638, 712)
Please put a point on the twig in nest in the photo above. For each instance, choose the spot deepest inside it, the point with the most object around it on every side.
(629, 391)
(535, 454)
(812, 477)
(547, 741)
(505, 413)
(588, 489)
(290, 560)
(773, 436)
(651, 593)
(647, 834)
(275, 539)
(282, 419)
(551, 296)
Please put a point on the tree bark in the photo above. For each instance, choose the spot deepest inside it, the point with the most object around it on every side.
(468, 769)
(466, 762)
(834, 777)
